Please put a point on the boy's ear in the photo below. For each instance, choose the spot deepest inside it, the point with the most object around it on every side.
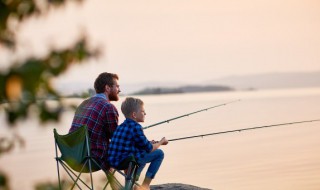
(134, 114)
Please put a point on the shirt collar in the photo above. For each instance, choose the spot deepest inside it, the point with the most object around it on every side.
(101, 95)
(129, 119)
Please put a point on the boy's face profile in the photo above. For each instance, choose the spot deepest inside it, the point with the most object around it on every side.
(139, 115)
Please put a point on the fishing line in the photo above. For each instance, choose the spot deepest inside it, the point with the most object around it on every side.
(185, 115)
(243, 129)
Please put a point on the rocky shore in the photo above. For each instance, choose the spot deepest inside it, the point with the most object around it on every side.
(176, 186)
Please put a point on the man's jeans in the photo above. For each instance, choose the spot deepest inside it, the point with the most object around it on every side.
(155, 159)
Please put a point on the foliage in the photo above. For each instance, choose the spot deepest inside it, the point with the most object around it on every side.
(53, 186)
(7, 144)
(25, 86)
(4, 184)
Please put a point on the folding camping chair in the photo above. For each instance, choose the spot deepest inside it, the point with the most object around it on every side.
(75, 159)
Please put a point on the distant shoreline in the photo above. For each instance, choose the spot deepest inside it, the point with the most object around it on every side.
(182, 89)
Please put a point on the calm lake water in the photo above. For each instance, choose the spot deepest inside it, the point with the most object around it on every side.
(279, 158)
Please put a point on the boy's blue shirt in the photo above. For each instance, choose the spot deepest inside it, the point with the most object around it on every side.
(128, 139)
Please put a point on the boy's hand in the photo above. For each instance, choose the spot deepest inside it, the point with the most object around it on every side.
(153, 142)
(164, 141)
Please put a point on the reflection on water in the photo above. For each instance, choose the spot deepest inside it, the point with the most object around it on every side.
(286, 157)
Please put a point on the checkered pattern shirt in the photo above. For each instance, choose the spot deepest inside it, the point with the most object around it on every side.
(101, 118)
(128, 139)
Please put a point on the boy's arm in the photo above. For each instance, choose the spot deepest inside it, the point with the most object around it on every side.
(140, 139)
(157, 144)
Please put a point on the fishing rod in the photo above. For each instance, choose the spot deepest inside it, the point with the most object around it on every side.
(243, 129)
(185, 115)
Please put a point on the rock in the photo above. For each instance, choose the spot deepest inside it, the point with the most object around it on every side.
(176, 186)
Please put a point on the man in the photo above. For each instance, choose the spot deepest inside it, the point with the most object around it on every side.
(99, 115)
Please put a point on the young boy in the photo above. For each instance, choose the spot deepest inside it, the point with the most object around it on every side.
(129, 139)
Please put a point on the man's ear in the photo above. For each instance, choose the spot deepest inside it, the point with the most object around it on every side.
(107, 88)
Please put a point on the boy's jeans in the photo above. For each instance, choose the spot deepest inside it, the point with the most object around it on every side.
(155, 159)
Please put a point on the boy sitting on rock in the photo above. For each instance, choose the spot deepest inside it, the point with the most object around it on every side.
(129, 139)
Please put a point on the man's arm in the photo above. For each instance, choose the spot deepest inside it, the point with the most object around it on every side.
(112, 117)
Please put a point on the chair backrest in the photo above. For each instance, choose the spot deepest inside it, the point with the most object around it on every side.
(75, 149)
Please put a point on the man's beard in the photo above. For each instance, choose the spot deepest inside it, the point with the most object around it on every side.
(113, 97)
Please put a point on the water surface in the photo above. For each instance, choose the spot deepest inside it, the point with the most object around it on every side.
(280, 158)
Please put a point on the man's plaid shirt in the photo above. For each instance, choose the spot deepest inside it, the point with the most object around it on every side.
(101, 118)
(128, 139)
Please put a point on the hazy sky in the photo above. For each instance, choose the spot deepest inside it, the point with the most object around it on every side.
(185, 40)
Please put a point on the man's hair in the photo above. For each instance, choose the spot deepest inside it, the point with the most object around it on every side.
(130, 105)
(104, 79)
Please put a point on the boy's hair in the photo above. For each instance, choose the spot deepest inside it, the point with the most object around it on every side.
(104, 79)
(130, 105)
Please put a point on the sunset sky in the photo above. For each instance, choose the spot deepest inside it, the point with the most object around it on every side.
(183, 40)
(191, 42)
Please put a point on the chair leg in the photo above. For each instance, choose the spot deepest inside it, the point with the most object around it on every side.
(131, 176)
(58, 173)
(56, 149)
(91, 174)
(71, 174)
